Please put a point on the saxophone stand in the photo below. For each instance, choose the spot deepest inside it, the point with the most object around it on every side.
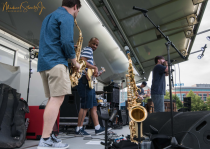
(139, 135)
(174, 144)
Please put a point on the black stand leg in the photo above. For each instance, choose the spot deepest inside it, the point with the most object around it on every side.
(29, 77)
(106, 125)
(139, 135)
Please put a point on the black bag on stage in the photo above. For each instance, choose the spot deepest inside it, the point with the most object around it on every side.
(12, 118)
(127, 144)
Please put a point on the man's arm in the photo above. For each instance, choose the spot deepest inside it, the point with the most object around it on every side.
(67, 35)
(88, 65)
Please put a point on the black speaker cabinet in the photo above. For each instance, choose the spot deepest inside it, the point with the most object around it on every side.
(113, 94)
(122, 117)
(187, 103)
(70, 107)
(187, 126)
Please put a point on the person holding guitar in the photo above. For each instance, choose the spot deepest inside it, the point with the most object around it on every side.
(141, 94)
(86, 93)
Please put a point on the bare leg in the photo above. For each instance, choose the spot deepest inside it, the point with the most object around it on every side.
(50, 114)
(94, 115)
(81, 118)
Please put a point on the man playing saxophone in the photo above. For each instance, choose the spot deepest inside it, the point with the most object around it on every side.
(55, 48)
(87, 95)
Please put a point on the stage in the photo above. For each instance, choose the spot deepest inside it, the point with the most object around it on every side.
(78, 142)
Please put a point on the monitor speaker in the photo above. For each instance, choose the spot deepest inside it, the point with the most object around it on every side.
(191, 129)
(187, 103)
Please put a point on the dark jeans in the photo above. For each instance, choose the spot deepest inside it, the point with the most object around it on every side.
(87, 95)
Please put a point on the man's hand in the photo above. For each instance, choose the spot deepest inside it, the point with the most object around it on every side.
(95, 72)
(100, 73)
(166, 63)
(77, 66)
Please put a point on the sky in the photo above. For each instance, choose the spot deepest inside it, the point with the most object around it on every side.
(195, 71)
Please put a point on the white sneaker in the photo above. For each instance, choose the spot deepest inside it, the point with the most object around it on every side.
(55, 139)
(50, 144)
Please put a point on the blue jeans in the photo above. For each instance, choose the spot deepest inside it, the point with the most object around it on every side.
(158, 101)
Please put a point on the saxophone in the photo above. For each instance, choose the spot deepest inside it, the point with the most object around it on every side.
(137, 113)
(74, 75)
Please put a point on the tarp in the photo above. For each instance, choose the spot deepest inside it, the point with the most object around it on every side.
(10, 75)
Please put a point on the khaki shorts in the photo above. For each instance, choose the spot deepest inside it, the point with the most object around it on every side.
(56, 81)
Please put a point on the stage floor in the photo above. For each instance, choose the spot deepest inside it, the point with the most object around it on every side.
(78, 142)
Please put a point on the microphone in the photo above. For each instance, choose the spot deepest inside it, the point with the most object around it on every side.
(139, 9)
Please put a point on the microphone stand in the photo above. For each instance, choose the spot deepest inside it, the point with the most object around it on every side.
(30, 70)
(174, 143)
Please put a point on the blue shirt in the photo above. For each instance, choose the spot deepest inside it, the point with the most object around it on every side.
(56, 44)
(87, 52)
(158, 80)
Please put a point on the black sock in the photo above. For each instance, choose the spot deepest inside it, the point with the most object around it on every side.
(46, 138)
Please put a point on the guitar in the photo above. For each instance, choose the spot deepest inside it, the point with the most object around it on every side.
(91, 79)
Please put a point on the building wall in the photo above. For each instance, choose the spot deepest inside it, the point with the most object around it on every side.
(202, 92)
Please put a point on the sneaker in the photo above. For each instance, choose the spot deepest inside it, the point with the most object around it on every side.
(50, 144)
(101, 131)
(55, 139)
(82, 133)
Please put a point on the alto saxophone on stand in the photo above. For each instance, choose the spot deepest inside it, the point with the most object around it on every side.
(137, 113)
(74, 75)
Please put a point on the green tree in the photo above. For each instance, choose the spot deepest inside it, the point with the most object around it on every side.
(174, 97)
(208, 103)
(197, 104)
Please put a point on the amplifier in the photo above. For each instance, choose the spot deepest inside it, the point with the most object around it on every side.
(36, 122)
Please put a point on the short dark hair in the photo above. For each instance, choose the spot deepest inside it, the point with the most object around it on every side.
(71, 3)
(157, 58)
(93, 38)
(144, 83)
